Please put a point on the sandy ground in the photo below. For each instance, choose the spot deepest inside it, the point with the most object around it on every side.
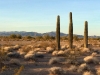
(41, 66)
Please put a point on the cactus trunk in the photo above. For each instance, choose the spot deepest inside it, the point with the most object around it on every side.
(58, 33)
(86, 35)
(70, 36)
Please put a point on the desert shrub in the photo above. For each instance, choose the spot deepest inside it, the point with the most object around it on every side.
(42, 45)
(54, 53)
(13, 54)
(83, 67)
(73, 68)
(56, 71)
(64, 38)
(19, 36)
(49, 49)
(97, 51)
(13, 36)
(58, 53)
(39, 54)
(67, 51)
(69, 61)
(75, 37)
(28, 37)
(38, 38)
(53, 44)
(91, 59)
(3, 57)
(15, 62)
(94, 54)
(54, 60)
(98, 71)
(88, 73)
(73, 62)
(22, 53)
(61, 53)
(8, 49)
(37, 49)
(31, 52)
(52, 37)
(3, 69)
(46, 37)
(71, 55)
(30, 57)
(26, 48)
(63, 47)
(85, 50)
(16, 47)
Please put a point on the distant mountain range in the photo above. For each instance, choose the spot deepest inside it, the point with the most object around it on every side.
(23, 33)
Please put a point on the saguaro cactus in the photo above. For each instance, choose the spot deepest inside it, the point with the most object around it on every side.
(70, 36)
(86, 35)
(58, 33)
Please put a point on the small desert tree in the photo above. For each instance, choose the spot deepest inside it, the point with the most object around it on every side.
(46, 37)
(75, 37)
(19, 36)
(13, 36)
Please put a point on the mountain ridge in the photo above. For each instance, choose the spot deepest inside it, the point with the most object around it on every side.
(24, 33)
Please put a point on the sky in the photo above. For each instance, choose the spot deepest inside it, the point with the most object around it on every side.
(40, 15)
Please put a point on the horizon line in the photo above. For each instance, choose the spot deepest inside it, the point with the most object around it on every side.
(46, 32)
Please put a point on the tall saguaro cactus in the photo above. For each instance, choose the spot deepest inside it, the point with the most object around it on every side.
(70, 36)
(86, 35)
(58, 32)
